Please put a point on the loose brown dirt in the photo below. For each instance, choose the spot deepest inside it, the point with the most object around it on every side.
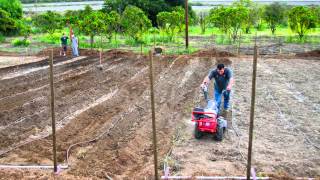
(112, 106)
(314, 54)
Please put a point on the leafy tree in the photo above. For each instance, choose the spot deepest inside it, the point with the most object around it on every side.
(274, 15)
(316, 12)
(151, 7)
(171, 22)
(237, 18)
(48, 22)
(174, 3)
(203, 21)
(24, 26)
(179, 15)
(7, 24)
(115, 5)
(112, 24)
(93, 24)
(71, 17)
(218, 18)
(301, 19)
(87, 11)
(154, 31)
(229, 19)
(135, 22)
(254, 16)
(13, 7)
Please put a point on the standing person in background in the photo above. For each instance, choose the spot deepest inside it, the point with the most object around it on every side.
(64, 43)
(74, 45)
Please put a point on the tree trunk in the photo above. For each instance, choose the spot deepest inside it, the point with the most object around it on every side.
(91, 41)
(141, 48)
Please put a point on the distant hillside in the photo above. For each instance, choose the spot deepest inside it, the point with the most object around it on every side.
(49, 1)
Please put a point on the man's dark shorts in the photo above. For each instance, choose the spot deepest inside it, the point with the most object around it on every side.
(64, 47)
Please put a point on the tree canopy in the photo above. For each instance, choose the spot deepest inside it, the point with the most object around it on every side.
(274, 15)
(301, 19)
(229, 19)
(171, 22)
(13, 7)
(7, 24)
(48, 22)
(150, 7)
(135, 22)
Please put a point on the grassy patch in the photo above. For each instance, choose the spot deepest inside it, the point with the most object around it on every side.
(2, 38)
(18, 42)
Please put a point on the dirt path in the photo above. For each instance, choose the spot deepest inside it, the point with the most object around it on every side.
(7, 61)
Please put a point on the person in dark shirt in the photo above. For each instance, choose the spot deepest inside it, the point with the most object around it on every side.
(222, 86)
(64, 44)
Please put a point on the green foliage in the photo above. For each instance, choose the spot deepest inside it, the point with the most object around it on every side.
(87, 11)
(18, 42)
(301, 19)
(93, 24)
(217, 18)
(151, 7)
(178, 14)
(7, 24)
(2, 38)
(24, 26)
(112, 24)
(135, 22)
(203, 21)
(316, 11)
(13, 7)
(171, 22)
(71, 17)
(74, 18)
(51, 38)
(229, 19)
(254, 18)
(274, 15)
(48, 22)
(44, 1)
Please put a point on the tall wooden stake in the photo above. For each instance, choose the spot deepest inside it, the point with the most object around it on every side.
(53, 114)
(239, 42)
(187, 24)
(155, 154)
(253, 97)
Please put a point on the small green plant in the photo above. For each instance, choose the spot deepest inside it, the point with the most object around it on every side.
(18, 42)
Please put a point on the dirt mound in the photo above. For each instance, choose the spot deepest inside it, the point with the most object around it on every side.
(119, 52)
(314, 53)
(223, 60)
(88, 52)
(6, 53)
(212, 52)
(56, 52)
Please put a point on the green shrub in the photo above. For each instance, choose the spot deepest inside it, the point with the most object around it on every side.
(52, 38)
(132, 42)
(18, 42)
(2, 38)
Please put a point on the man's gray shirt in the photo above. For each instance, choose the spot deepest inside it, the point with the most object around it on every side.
(221, 81)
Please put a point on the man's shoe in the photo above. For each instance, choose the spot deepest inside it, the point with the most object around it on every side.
(227, 109)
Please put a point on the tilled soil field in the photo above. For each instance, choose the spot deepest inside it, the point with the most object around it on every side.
(109, 111)
(287, 126)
